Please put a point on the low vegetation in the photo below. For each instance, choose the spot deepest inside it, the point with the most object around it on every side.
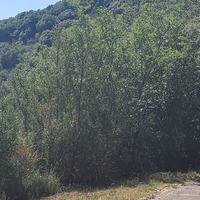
(143, 189)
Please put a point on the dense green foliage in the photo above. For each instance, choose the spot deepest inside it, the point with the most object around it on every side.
(114, 95)
(29, 30)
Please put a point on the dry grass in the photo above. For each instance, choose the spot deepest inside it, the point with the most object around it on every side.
(131, 189)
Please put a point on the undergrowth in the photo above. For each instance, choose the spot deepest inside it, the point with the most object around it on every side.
(147, 186)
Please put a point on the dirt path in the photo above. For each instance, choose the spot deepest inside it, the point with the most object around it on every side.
(190, 191)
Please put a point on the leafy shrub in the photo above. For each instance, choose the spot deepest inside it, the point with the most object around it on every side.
(39, 184)
(26, 180)
(2, 196)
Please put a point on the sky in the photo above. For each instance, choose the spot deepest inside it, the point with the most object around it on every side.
(10, 8)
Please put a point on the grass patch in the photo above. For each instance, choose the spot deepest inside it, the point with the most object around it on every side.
(178, 177)
(130, 189)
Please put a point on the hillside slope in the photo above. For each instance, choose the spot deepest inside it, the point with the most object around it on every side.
(28, 30)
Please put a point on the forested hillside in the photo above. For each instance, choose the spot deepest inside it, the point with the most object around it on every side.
(29, 30)
(110, 97)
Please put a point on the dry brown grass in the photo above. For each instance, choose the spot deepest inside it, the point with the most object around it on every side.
(119, 193)
(131, 189)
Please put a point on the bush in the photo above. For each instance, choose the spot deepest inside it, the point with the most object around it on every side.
(2, 196)
(31, 186)
(25, 180)
(41, 184)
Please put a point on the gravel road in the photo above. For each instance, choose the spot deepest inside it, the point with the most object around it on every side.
(188, 192)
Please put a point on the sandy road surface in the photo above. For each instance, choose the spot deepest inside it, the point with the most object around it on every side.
(189, 192)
